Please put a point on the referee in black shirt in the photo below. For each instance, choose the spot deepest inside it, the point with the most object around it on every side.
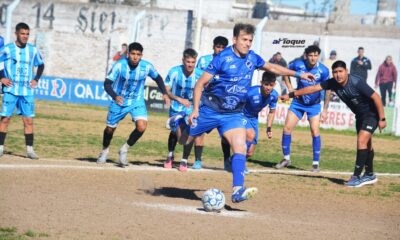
(367, 106)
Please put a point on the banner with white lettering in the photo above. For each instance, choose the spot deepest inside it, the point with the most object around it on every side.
(88, 92)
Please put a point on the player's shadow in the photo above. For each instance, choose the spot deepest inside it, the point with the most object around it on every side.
(270, 164)
(89, 159)
(173, 192)
(331, 179)
(158, 163)
(15, 154)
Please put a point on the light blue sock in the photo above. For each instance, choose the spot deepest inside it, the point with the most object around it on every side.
(238, 166)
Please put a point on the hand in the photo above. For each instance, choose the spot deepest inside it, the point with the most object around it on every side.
(382, 125)
(324, 116)
(360, 62)
(284, 98)
(376, 85)
(308, 77)
(269, 134)
(166, 100)
(6, 82)
(119, 100)
(33, 83)
(185, 102)
(192, 116)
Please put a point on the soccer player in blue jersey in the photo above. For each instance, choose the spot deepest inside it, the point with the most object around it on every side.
(125, 84)
(258, 97)
(309, 104)
(225, 83)
(366, 104)
(219, 44)
(180, 83)
(18, 81)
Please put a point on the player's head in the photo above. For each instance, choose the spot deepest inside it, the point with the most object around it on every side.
(124, 47)
(22, 33)
(312, 54)
(340, 72)
(189, 59)
(135, 52)
(243, 37)
(360, 51)
(268, 82)
(219, 44)
(278, 56)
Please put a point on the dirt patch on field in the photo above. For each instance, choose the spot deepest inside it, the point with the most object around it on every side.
(81, 200)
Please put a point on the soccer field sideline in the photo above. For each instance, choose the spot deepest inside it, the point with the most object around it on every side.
(113, 167)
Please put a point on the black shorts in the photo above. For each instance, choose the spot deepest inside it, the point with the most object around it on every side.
(367, 123)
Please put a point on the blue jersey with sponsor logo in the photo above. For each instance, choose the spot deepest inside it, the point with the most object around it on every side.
(128, 82)
(203, 61)
(321, 74)
(226, 92)
(255, 101)
(181, 85)
(18, 67)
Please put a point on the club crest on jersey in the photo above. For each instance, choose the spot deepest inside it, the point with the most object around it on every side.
(59, 88)
(230, 102)
(249, 64)
(229, 59)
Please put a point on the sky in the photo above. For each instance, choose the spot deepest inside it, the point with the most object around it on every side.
(358, 7)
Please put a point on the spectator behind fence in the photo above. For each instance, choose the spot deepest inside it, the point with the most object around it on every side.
(386, 79)
(121, 54)
(278, 59)
(360, 65)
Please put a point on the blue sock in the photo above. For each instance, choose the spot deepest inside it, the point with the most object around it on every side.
(238, 166)
(248, 144)
(286, 141)
(316, 145)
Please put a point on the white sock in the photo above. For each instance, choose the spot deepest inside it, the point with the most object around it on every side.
(287, 157)
(184, 161)
(105, 150)
(170, 154)
(29, 148)
(236, 188)
(125, 147)
(315, 163)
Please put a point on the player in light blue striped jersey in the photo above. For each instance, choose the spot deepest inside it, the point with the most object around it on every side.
(180, 83)
(219, 44)
(125, 84)
(19, 59)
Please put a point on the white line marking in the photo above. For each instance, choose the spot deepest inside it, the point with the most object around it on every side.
(193, 210)
(135, 168)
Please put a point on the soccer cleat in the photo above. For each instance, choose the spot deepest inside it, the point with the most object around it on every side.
(183, 167)
(246, 171)
(369, 179)
(227, 165)
(102, 157)
(32, 155)
(197, 164)
(283, 163)
(315, 168)
(122, 158)
(354, 181)
(168, 162)
(243, 194)
(1, 150)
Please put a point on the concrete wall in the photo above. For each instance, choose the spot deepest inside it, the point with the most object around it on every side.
(77, 39)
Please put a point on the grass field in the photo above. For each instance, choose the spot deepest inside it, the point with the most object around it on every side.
(65, 195)
(75, 131)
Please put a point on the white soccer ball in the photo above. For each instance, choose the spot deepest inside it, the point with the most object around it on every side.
(213, 200)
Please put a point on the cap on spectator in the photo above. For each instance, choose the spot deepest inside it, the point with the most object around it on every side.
(333, 52)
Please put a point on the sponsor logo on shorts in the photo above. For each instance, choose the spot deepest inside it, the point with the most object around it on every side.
(369, 127)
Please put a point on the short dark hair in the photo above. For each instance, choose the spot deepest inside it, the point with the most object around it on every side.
(268, 77)
(337, 64)
(189, 52)
(124, 44)
(247, 28)
(21, 25)
(311, 49)
(220, 40)
(360, 48)
(136, 46)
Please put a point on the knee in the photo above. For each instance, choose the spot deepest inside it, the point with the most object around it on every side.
(141, 127)
(5, 120)
(28, 122)
(109, 130)
(250, 137)
(239, 146)
(287, 129)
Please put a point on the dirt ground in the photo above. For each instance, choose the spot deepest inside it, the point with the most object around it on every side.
(70, 199)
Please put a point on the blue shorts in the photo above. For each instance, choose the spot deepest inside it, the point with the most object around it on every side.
(24, 104)
(209, 119)
(116, 112)
(299, 109)
(253, 124)
(187, 111)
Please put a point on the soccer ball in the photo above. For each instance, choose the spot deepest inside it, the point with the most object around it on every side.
(213, 200)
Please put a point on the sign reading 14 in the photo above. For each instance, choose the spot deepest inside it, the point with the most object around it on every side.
(48, 14)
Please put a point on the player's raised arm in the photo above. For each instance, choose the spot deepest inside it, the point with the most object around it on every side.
(279, 70)
(198, 89)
